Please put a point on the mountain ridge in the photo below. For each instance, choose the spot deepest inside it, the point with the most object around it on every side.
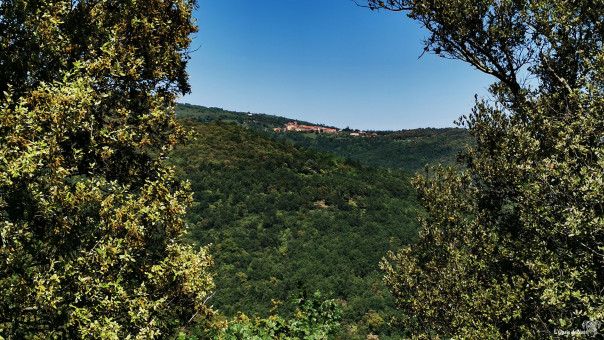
(409, 150)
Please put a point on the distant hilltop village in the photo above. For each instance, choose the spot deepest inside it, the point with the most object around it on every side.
(305, 128)
(293, 126)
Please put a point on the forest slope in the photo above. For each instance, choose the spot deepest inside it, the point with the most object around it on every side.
(284, 219)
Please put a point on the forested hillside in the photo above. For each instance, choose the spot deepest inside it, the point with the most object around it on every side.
(254, 121)
(283, 219)
(408, 150)
(98, 241)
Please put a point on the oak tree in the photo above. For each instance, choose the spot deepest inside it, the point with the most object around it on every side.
(512, 244)
(90, 217)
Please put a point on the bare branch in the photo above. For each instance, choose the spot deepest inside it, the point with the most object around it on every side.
(390, 5)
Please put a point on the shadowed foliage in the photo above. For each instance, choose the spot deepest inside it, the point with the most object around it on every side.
(512, 246)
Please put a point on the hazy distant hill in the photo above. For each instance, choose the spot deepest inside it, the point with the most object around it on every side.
(409, 150)
(255, 121)
(283, 219)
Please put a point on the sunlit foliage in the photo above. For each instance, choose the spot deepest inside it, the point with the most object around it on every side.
(314, 319)
(90, 217)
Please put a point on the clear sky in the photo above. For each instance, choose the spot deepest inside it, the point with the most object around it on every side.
(327, 62)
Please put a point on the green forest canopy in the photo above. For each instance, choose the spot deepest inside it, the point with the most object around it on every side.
(92, 220)
(90, 217)
(284, 219)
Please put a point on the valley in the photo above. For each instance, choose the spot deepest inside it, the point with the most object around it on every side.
(284, 219)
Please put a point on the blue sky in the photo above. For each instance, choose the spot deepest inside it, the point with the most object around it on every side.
(327, 62)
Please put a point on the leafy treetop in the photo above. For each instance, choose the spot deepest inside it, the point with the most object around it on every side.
(512, 245)
(90, 217)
